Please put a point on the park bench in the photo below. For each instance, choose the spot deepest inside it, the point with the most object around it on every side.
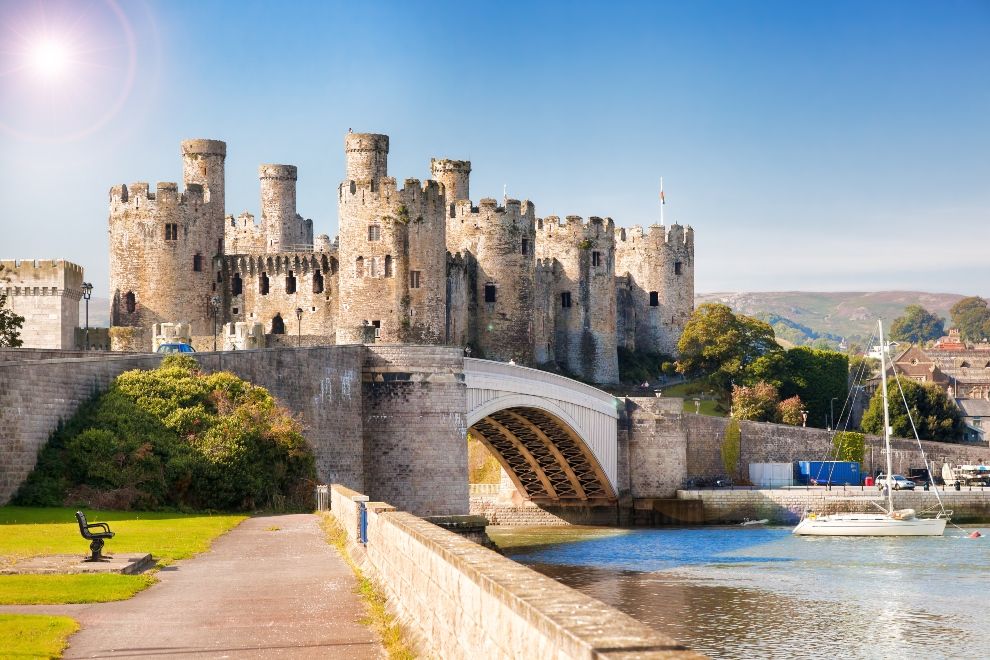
(97, 538)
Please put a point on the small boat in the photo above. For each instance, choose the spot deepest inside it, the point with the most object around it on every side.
(747, 522)
(888, 521)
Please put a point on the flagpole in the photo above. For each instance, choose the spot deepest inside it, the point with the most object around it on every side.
(661, 200)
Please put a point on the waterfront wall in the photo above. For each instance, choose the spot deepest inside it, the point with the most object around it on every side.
(460, 600)
(784, 506)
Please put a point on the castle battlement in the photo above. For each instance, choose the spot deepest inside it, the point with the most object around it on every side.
(514, 211)
(280, 172)
(414, 194)
(655, 236)
(575, 227)
(138, 195)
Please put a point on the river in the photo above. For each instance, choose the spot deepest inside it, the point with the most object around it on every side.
(761, 592)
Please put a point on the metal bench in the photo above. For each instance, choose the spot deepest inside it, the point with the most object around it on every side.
(96, 538)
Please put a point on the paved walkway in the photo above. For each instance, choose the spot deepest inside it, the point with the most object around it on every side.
(257, 594)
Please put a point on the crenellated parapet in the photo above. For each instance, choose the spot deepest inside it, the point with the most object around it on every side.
(454, 176)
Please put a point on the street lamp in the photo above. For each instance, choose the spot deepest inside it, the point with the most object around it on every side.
(697, 405)
(87, 293)
(298, 327)
(804, 418)
(215, 306)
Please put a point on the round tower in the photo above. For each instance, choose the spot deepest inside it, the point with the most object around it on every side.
(278, 206)
(367, 156)
(455, 176)
(203, 163)
(585, 324)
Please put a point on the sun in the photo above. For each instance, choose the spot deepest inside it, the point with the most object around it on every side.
(48, 58)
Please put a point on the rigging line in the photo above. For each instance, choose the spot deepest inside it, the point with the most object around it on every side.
(914, 429)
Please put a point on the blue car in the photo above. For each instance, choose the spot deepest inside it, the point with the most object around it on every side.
(176, 347)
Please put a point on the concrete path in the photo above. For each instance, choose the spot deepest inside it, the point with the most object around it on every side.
(258, 593)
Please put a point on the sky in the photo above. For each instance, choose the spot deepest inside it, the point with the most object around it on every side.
(820, 146)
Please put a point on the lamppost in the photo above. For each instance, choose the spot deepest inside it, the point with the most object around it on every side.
(298, 327)
(804, 418)
(87, 293)
(215, 306)
(697, 405)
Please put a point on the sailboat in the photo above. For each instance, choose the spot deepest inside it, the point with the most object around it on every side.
(887, 521)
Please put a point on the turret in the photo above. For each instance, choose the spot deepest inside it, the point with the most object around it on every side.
(203, 163)
(278, 206)
(367, 156)
(455, 176)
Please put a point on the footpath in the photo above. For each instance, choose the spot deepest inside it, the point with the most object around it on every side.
(258, 593)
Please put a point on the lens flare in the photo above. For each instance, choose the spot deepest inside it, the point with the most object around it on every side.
(49, 58)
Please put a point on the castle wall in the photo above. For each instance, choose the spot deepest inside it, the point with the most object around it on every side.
(501, 241)
(659, 298)
(316, 292)
(545, 302)
(461, 275)
(161, 248)
(242, 235)
(284, 229)
(454, 176)
(585, 318)
(46, 293)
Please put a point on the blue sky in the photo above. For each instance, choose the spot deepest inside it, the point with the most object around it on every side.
(812, 145)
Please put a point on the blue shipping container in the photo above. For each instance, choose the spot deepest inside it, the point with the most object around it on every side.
(823, 473)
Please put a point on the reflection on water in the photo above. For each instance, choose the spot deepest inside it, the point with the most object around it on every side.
(764, 593)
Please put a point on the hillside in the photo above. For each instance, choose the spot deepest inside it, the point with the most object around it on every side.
(805, 317)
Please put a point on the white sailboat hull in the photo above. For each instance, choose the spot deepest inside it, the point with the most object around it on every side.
(869, 524)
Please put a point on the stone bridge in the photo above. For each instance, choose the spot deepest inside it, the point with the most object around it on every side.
(554, 437)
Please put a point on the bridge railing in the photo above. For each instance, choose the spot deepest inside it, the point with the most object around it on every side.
(504, 370)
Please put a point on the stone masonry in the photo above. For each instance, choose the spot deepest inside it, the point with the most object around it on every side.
(46, 293)
(420, 263)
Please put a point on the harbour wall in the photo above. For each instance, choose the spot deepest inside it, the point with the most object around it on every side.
(783, 506)
(460, 600)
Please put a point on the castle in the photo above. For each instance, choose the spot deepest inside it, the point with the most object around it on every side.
(416, 264)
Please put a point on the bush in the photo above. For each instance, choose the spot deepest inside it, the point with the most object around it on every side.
(757, 403)
(172, 437)
(731, 447)
(849, 446)
(789, 411)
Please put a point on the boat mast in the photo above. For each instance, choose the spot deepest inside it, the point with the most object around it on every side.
(886, 418)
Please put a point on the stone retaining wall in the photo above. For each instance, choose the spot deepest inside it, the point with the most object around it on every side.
(528, 514)
(461, 600)
(784, 505)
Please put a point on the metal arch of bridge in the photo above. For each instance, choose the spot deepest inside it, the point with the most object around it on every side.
(555, 437)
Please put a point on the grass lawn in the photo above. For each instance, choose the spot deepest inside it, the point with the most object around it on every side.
(34, 636)
(707, 408)
(27, 532)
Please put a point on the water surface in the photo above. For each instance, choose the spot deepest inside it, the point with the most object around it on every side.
(752, 592)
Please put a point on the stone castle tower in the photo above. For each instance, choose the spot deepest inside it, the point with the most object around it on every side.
(416, 264)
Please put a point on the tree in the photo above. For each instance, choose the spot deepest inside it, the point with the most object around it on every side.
(862, 369)
(815, 375)
(972, 317)
(917, 325)
(849, 446)
(935, 416)
(789, 411)
(720, 345)
(10, 325)
(757, 403)
(731, 447)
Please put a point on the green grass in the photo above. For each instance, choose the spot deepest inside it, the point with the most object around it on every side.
(708, 407)
(34, 636)
(60, 589)
(28, 532)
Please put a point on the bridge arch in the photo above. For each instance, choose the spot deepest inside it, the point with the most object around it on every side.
(554, 437)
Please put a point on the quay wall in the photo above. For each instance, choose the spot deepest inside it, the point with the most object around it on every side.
(783, 506)
(461, 600)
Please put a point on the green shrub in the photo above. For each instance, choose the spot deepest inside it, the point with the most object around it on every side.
(731, 447)
(849, 446)
(172, 437)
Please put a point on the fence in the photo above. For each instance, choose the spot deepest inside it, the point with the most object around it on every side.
(322, 497)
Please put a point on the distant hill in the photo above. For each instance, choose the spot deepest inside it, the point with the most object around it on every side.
(804, 317)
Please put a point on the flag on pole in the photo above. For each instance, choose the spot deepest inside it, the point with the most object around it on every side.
(662, 200)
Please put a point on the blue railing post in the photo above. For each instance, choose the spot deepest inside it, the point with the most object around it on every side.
(362, 523)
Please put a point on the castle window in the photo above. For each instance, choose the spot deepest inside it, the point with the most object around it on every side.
(490, 292)
(236, 285)
(234, 311)
(317, 282)
(359, 267)
(374, 233)
(278, 325)
(130, 303)
(453, 209)
(414, 279)
(219, 277)
(378, 328)
(677, 268)
(654, 298)
(525, 246)
(171, 231)
(263, 284)
(388, 265)
(565, 299)
(290, 283)
(197, 263)
(596, 258)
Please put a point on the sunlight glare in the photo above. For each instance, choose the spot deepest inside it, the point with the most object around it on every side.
(48, 58)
